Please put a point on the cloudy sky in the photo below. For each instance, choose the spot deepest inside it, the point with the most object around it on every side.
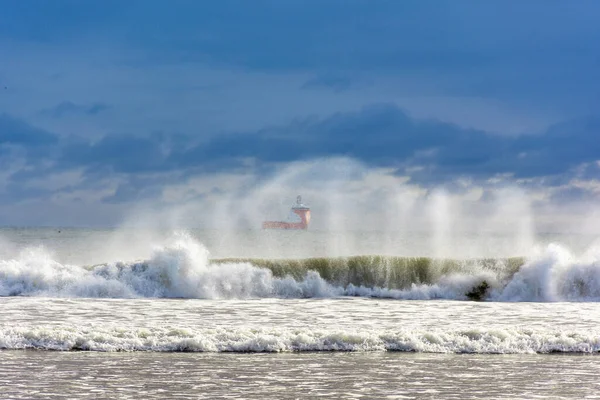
(108, 106)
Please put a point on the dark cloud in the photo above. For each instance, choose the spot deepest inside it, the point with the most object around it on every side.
(68, 108)
(561, 147)
(115, 153)
(16, 132)
(380, 135)
(384, 135)
(22, 141)
(429, 151)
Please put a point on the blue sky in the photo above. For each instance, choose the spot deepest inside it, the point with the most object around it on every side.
(106, 105)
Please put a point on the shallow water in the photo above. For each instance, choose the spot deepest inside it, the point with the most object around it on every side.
(57, 375)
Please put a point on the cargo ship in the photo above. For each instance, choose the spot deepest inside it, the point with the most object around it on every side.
(299, 218)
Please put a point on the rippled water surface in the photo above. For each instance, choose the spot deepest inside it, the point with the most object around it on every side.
(52, 375)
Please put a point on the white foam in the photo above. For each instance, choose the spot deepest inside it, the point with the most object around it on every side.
(181, 269)
(555, 274)
(170, 339)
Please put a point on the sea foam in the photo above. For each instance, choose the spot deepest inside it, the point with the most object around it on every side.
(495, 341)
(182, 268)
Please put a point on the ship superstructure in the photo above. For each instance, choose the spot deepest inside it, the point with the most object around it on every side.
(299, 218)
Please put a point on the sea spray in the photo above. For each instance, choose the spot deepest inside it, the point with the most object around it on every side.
(182, 268)
(555, 274)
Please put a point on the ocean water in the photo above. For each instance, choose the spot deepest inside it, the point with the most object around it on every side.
(254, 314)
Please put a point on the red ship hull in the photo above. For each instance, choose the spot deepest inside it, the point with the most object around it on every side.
(283, 225)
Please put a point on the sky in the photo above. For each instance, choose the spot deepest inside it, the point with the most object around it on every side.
(110, 106)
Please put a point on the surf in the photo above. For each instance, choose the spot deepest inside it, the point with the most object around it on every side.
(182, 268)
(274, 340)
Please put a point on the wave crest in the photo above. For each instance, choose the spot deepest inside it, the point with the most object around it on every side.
(182, 269)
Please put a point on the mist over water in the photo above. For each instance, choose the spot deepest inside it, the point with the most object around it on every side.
(355, 210)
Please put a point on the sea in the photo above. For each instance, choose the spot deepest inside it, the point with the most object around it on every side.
(136, 313)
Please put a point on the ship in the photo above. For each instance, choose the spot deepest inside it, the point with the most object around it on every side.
(299, 218)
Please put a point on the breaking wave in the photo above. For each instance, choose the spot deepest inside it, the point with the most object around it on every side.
(182, 269)
(498, 341)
